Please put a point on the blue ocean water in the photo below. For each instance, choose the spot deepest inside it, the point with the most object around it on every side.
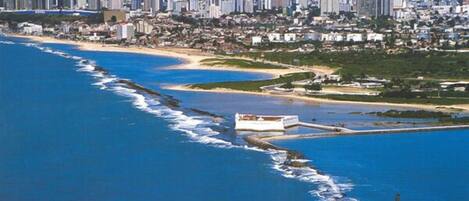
(82, 130)
(420, 167)
(65, 139)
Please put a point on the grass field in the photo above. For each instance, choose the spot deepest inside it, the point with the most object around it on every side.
(438, 65)
(240, 63)
(364, 98)
(254, 85)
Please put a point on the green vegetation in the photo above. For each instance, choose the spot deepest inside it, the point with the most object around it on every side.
(313, 87)
(380, 64)
(443, 118)
(45, 19)
(287, 85)
(421, 114)
(454, 120)
(240, 63)
(365, 98)
(255, 85)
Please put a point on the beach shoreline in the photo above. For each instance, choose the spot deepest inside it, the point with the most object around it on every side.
(446, 108)
(191, 59)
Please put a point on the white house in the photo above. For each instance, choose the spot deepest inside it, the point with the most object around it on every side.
(337, 37)
(355, 37)
(256, 40)
(374, 37)
(274, 37)
(289, 37)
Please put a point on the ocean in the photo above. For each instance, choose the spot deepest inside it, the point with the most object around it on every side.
(85, 125)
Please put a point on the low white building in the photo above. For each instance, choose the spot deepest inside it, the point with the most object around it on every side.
(374, 37)
(30, 28)
(289, 37)
(256, 40)
(274, 37)
(265, 122)
(95, 37)
(143, 27)
(354, 37)
(336, 37)
(312, 36)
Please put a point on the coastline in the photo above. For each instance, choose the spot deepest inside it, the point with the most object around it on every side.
(190, 58)
(448, 108)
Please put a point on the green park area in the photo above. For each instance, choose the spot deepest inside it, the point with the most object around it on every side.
(240, 63)
(406, 64)
(254, 86)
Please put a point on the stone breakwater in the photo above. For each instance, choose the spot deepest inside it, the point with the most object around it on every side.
(418, 130)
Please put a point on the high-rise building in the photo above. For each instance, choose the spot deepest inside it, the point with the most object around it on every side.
(303, 4)
(143, 27)
(180, 6)
(94, 4)
(9, 4)
(125, 31)
(193, 5)
(345, 5)
(146, 5)
(214, 11)
(248, 6)
(374, 8)
(398, 4)
(155, 5)
(329, 7)
(170, 5)
(20, 4)
(115, 4)
(135, 4)
(80, 4)
(283, 3)
(227, 6)
(264, 4)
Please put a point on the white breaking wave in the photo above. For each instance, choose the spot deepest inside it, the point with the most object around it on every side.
(197, 128)
(328, 189)
(7, 42)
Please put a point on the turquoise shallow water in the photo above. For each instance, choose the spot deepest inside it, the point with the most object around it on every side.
(70, 128)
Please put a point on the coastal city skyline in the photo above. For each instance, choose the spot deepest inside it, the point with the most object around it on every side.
(216, 8)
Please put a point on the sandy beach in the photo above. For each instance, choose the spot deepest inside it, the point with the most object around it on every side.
(190, 58)
(446, 108)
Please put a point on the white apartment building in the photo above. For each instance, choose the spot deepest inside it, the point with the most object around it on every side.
(125, 31)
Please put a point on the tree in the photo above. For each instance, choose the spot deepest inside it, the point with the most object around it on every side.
(347, 77)
(313, 87)
(287, 85)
